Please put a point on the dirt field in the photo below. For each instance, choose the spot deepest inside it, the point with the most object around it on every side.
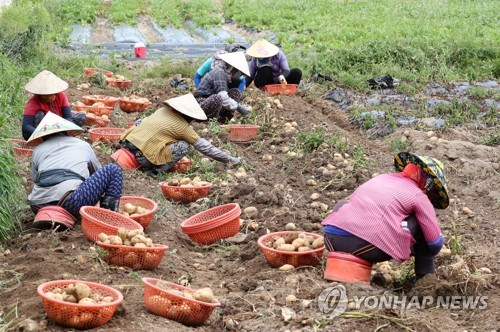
(254, 295)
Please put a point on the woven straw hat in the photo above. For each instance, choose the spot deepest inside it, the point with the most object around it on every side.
(263, 49)
(46, 83)
(438, 194)
(187, 105)
(51, 124)
(237, 60)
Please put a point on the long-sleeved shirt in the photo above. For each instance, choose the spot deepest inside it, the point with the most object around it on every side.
(207, 67)
(376, 209)
(212, 83)
(61, 152)
(279, 66)
(60, 106)
(157, 131)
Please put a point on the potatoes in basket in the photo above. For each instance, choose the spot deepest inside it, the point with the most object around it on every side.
(295, 242)
(134, 238)
(131, 210)
(202, 294)
(187, 182)
(135, 99)
(78, 293)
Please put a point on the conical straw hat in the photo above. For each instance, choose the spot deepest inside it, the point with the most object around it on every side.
(263, 49)
(187, 105)
(51, 124)
(237, 60)
(46, 83)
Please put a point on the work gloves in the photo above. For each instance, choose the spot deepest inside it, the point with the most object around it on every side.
(243, 109)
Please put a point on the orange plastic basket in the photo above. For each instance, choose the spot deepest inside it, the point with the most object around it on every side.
(111, 135)
(90, 71)
(125, 159)
(53, 216)
(241, 132)
(145, 218)
(184, 194)
(281, 89)
(76, 315)
(96, 121)
(344, 267)
(120, 84)
(163, 303)
(277, 258)
(136, 258)
(133, 106)
(21, 149)
(180, 167)
(107, 100)
(214, 224)
(97, 110)
(96, 220)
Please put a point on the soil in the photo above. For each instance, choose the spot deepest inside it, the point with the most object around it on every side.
(252, 293)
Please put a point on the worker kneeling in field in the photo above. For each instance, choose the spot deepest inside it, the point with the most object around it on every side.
(67, 173)
(163, 138)
(392, 216)
(270, 66)
(214, 95)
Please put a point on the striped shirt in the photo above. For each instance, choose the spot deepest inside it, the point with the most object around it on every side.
(157, 131)
(212, 83)
(376, 209)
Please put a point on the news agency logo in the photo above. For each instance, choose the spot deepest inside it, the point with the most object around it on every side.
(332, 301)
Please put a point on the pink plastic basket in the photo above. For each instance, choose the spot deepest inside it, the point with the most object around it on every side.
(281, 89)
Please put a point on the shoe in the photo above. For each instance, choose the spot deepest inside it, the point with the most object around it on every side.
(110, 203)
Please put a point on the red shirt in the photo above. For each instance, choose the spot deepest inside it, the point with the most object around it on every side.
(35, 104)
(376, 209)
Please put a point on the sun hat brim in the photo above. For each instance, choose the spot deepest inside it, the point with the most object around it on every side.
(262, 49)
(46, 83)
(434, 168)
(51, 124)
(187, 105)
(237, 60)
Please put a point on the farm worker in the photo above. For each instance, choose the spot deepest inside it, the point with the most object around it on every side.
(215, 61)
(48, 96)
(270, 66)
(164, 137)
(214, 95)
(392, 215)
(66, 171)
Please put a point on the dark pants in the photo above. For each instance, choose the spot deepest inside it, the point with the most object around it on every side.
(424, 260)
(212, 106)
(264, 76)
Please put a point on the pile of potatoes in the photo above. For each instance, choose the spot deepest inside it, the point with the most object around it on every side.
(94, 113)
(295, 241)
(118, 77)
(135, 99)
(131, 210)
(187, 182)
(127, 237)
(202, 294)
(78, 293)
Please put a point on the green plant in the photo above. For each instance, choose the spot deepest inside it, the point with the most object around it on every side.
(310, 141)
(397, 145)
(54, 242)
(480, 93)
(213, 127)
(9, 277)
(7, 320)
(137, 277)
(454, 242)
(492, 140)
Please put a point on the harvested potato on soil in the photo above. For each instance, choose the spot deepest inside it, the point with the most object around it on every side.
(295, 242)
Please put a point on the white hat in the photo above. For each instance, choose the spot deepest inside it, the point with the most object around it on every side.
(262, 49)
(51, 124)
(237, 60)
(187, 105)
(46, 83)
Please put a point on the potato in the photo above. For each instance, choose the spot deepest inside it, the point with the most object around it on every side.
(297, 243)
(55, 296)
(129, 208)
(122, 233)
(286, 247)
(185, 181)
(130, 259)
(132, 233)
(114, 239)
(87, 301)
(127, 242)
(57, 290)
(138, 239)
(188, 295)
(290, 237)
(204, 295)
(279, 241)
(71, 289)
(70, 298)
(173, 182)
(96, 297)
(82, 291)
(303, 249)
(140, 245)
(309, 240)
(86, 318)
(102, 237)
(140, 210)
(149, 242)
(107, 299)
(318, 243)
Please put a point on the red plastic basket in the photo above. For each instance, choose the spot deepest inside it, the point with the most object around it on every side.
(21, 149)
(90, 71)
(53, 216)
(125, 159)
(111, 135)
(136, 258)
(107, 100)
(97, 122)
(120, 84)
(344, 267)
(96, 220)
(241, 132)
(145, 218)
(97, 110)
(76, 315)
(133, 106)
(277, 258)
(163, 303)
(281, 89)
(184, 194)
(214, 224)
(180, 167)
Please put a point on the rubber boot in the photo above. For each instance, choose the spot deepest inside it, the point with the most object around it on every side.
(110, 203)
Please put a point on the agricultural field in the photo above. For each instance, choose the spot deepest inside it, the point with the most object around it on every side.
(312, 150)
